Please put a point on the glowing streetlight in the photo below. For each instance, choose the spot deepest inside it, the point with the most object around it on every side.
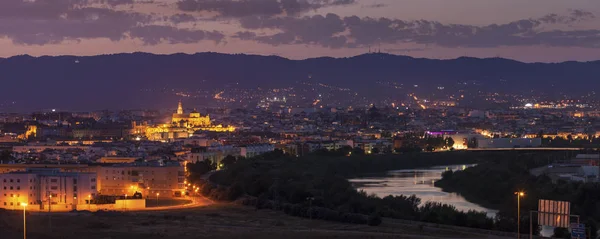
(24, 220)
(519, 196)
(89, 202)
(157, 198)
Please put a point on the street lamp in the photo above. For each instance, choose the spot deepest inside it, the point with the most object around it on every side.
(157, 198)
(89, 202)
(49, 202)
(24, 220)
(125, 205)
(519, 196)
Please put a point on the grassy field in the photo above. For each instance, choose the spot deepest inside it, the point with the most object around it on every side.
(215, 221)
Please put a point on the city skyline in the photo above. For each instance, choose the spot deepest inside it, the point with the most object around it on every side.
(532, 31)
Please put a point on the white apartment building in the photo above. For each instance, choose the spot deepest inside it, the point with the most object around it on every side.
(46, 189)
(255, 150)
(215, 154)
(167, 180)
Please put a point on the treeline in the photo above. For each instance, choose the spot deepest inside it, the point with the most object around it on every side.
(589, 142)
(316, 186)
(494, 182)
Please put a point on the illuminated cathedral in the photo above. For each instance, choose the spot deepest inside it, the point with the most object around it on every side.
(194, 119)
(184, 126)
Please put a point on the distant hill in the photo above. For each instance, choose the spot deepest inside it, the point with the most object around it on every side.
(118, 81)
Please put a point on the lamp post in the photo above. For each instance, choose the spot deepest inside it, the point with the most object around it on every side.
(124, 204)
(157, 199)
(519, 195)
(49, 209)
(24, 220)
(89, 202)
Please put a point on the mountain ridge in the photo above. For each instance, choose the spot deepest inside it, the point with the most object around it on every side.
(118, 80)
(310, 58)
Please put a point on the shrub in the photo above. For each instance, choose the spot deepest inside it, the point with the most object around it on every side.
(98, 225)
(374, 220)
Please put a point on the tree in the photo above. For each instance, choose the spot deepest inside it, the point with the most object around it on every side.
(227, 161)
(358, 151)
(374, 220)
(343, 151)
(375, 151)
(196, 170)
(560, 232)
(137, 195)
(591, 224)
(449, 142)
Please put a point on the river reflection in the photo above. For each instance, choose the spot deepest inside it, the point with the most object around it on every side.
(420, 183)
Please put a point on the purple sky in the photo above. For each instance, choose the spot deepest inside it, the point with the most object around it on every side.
(531, 30)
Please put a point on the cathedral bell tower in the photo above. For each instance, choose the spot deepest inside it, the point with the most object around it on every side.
(179, 108)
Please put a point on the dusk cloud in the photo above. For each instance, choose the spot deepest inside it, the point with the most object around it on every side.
(54, 21)
(244, 8)
(342, 26)
(334, 32)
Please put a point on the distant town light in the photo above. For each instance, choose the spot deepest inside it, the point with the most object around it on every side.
(53, 110)
(529, 105)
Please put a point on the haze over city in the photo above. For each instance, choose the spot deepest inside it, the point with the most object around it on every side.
(530, 31)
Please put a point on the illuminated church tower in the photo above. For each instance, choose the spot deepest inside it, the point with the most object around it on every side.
(179, 108)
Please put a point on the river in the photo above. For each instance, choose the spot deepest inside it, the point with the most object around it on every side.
(420, 183)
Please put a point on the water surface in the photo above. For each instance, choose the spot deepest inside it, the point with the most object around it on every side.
(420, 183)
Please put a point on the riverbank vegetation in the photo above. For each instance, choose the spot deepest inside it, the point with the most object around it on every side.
(492, 183)
(316, 186)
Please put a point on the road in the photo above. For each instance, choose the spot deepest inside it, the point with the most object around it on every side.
(197, 201)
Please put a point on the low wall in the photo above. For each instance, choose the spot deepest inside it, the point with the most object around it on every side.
(130, 204)
(120, 204)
